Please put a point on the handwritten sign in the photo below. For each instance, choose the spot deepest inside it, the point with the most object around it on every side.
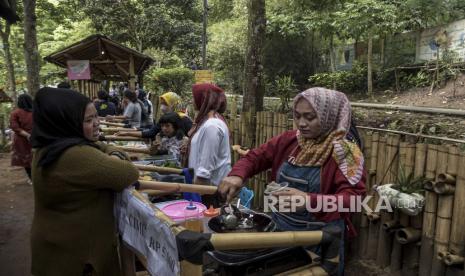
(147, 234)
(203, 76)
(78, 69)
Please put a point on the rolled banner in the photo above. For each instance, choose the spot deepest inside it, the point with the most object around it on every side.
(409, 204)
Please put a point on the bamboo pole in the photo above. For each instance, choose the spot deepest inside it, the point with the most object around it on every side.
(374, 228)
(117, 129)
(383, 258)
(457, 237)
(396, 252)
(429, 214)
(408, 235)
(443, 218)
(122, 138)
(178, 187)
(165, 170)
(111, 124)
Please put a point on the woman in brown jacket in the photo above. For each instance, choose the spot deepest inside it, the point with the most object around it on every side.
(75, 179)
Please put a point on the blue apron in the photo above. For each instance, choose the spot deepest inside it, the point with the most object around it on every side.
(305, 179)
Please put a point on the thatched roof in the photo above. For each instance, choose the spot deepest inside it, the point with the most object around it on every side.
(109, 60)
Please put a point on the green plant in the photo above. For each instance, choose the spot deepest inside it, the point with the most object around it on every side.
(285, 88)
(177, 79)
(408, 183)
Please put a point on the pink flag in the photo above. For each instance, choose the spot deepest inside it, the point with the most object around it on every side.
(78, 70)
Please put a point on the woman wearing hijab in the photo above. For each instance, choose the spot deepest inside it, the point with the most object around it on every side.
(75, 179)
(169, 102)
(316, 161)
(21, 124)
(209, 152)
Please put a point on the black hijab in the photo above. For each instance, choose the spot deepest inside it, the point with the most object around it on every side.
(25, 102)
(58, 116)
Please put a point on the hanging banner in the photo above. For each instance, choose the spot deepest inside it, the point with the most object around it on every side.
(78, 69)
(147, 234)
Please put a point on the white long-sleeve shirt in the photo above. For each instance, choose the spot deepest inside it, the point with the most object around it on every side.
(210, 153)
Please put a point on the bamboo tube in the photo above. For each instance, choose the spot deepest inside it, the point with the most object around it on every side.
(155, 192)
(446, 178)
(237, 136)
(429, 215)
(151, 168)
(122, 138)
(178, 187)
(111, 124)
(363, 236)
(257, 240)
(453, 161)
(442, 188)
(457, 237)
(275, 124)
(450, 259)
(408, 235)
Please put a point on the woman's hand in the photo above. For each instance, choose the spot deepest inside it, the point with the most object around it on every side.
(230, 187)
(292, 196)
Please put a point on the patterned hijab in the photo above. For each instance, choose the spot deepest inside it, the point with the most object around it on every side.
(334, 113)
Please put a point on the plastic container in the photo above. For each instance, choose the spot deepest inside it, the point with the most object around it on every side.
(193, 218)
(177, 211)
(207, 216)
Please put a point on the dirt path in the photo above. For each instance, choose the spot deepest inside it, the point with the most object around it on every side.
(16, 210)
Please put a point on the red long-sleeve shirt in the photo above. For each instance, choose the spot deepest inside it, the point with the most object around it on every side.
(332, 181)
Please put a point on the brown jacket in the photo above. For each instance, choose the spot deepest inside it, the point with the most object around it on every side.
(73, 221)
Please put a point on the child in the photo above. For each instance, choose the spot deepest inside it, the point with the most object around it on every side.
(171, 137)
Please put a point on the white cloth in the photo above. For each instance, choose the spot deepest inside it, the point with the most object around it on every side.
(210, 153)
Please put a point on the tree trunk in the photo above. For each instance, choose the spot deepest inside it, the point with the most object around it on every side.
(5, 35)
(369, 65)
(254, 89)
(382, 43)
(31, 51)
(332, 58)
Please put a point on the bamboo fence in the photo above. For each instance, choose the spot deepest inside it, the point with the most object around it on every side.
(431, 243)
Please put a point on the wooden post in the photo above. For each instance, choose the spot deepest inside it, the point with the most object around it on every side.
(363, 236)
(132, 75)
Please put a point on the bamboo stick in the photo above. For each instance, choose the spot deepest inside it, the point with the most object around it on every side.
(111, 124)
(117, 129)
(178, 187)
(165, 170)
(457, 237)
(396, 252)
(122, 138)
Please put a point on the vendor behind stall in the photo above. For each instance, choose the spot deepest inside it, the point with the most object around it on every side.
(169, 102)
(132, 111)
(75, 179)
(316, 161)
